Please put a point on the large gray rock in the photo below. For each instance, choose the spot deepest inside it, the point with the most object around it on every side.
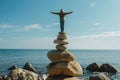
(56, 56)
(99, 76)
(71, 68)
(22, 74)
(29, 67)
(108, 68)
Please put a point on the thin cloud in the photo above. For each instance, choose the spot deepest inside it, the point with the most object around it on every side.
(4, 26)
(96, 23)
(30, 27)
(53, 24)
(1, 39)
(101, 35)
(93, 4)
(33, 26)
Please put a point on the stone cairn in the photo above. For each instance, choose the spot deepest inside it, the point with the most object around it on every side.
(62, 66)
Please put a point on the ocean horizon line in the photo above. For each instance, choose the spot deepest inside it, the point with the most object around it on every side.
(49, 49)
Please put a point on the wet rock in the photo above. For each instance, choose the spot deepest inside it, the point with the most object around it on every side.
(12, 67)
(93, 67)
(62, 77)
(29, 67)
(71, 68)
(56, 56)
(108, 68)
(22, 74)
(99, 76)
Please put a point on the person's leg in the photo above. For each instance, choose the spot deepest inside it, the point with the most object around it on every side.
(62, 26)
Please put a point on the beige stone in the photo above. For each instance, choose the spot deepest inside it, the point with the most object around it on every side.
(56, 56)
(61, 37)
(22, 74)
(71, 68)
(62, 33)
(61, 77)
(99, 76)
(60, 42)
(61, 47)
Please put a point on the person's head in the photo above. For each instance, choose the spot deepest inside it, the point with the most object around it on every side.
(61, 11)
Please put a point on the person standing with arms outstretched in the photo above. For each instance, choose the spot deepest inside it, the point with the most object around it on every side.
(61, 15)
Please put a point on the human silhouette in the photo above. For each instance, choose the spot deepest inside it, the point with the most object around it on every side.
(61, 15)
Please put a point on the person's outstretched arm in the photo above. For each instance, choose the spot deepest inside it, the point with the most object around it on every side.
(68, 13)
(55, 13)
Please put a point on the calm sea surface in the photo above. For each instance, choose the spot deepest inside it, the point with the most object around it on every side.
(39, 60)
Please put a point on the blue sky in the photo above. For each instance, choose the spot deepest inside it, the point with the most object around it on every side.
(28, 24)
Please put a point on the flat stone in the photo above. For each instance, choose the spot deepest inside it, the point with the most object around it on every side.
(61, 42)
(61, 47)
(56, 56)
(62, 33)
(22, 74)
(61, 37)
(71, 68)
(61, 77)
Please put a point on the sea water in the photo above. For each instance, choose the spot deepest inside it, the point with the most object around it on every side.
(38, 58)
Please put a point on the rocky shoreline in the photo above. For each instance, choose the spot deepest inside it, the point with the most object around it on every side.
(28, 72)
(62, 67)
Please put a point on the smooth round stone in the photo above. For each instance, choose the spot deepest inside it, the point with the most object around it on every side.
(71, 68)
(61, 77)
(60, 42)
(63, 37)
(62, 33)
(61, 47)
(56, 56)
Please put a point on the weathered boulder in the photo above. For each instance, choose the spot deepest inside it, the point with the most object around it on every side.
(61, 77)
(71, 68)
(108, 68)
(29, 67)
(12, 67)
(99, 76)
(61, 42)
(56, 56)
(22, 74)
(61, 47)
(93, 67)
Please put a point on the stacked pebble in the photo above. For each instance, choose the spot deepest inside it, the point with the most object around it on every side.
(62, 66)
